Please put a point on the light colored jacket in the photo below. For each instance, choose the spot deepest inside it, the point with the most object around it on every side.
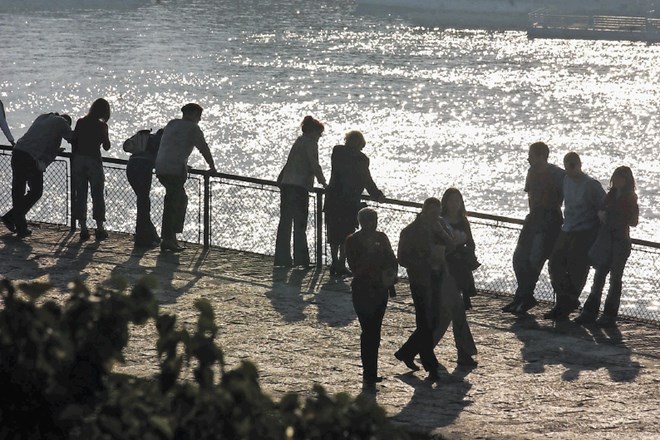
(582, 200)
(302, 164)
(43, 139)
(180, 136)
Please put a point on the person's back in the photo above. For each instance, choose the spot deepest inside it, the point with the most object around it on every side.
(346, 179)
(90, 135)
(302, 163)
(179, 138)
(544, 187)
(582, 198)
(44, 137)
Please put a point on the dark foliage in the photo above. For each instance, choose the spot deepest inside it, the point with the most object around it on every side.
(57, 381)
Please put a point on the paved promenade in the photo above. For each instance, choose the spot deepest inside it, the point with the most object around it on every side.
(535, 379)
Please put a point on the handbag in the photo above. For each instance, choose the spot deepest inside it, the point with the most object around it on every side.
(600, 253)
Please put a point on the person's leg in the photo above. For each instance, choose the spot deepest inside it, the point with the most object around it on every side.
(334, 257)
(169, 205)
(24, 175)
(283, 240)
(577, 269)
(592, 304)
(621, 252)
(521, 265)
(97, 189)
(79, 183)
(181, 204)
(300, 214)
(558, 270)
(370, 317)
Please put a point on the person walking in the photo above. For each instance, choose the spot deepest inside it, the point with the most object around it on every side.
(139, 171)
(462, 259)
(609, 253)
(179, 138)
(90, 135)
(295, 181)
(349, 177)
(569, 262)
(544, 188)
(372, 260)
(31, 155)
(4, 126)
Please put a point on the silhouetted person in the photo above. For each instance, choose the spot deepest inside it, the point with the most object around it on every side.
(32, 154)
(421, 251)
(462, 259)
(4, 126)
(90, 135)
(544, 188)
(180, 136)
(372, 260)
(349, 178)
(295, 181)
(618, 212)
(569, 262)
(139, 172)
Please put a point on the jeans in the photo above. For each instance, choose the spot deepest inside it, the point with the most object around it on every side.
(25, 173)
(370, 309)
(175, 205)
(87, 175)
(421, 340)
(620, 253)
(535, 243)
(569, 267)
(139, 174)
(294, 209)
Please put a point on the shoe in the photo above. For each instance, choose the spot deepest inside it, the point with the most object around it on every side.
(344, 272)
(101, 234)
(9, 223)
(372, 380)
(585, 318)
(525, 305)
(170, 245)
(410, 362)
(606, 321)
(433, 376)
(552, 313)
(511, 306)
(465, 360)
(84, 234)
(23, 233)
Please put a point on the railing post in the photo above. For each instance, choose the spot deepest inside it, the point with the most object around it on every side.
(207, 210)
(71, 191)
(319, 228)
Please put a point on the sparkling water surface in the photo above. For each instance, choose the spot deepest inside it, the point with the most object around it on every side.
(438, 107)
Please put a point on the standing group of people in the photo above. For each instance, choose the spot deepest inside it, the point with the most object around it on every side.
(437, 248)
(167, 151)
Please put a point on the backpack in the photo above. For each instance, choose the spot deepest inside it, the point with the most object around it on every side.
(138, 142)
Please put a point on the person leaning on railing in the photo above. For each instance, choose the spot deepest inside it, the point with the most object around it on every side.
(180, 136)
(32, 154)
(295, 181)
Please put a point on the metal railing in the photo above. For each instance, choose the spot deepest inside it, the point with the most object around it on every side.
(242, 213)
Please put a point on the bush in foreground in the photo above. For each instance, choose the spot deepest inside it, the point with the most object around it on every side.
(57, 381)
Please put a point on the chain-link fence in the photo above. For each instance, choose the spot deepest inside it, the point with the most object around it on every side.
(243, 213)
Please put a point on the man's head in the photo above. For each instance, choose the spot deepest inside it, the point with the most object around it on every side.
(431, 209)
(572, 164)
(354, 139)
(538, 154)
(368, 219)
(192, 112)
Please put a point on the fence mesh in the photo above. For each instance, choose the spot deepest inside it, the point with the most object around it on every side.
(244, 216)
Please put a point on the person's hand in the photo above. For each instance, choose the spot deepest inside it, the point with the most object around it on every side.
(602, 216)
(61, 150)
(324, 185)
(381, 198)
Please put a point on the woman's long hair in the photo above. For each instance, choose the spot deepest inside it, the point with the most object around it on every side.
(445, 198)
(625, 173)
(100, 110)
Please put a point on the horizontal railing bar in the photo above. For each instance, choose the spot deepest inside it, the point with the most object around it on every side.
(406, 203)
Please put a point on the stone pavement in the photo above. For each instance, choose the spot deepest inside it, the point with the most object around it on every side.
(534, 380)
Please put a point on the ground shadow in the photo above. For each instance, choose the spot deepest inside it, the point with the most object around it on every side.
(288, 290)
(334, 302)
(574, 347)
(435, 404)
(72, 256)
(18, 261)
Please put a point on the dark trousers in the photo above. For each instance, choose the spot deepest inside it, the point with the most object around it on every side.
(175, 205)
(88, 176)
(535, 243)
(569, 267)
(620, 254)
(421, 340)
(294, 209)
(25, 173)
(139, 174)
(370, 309)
